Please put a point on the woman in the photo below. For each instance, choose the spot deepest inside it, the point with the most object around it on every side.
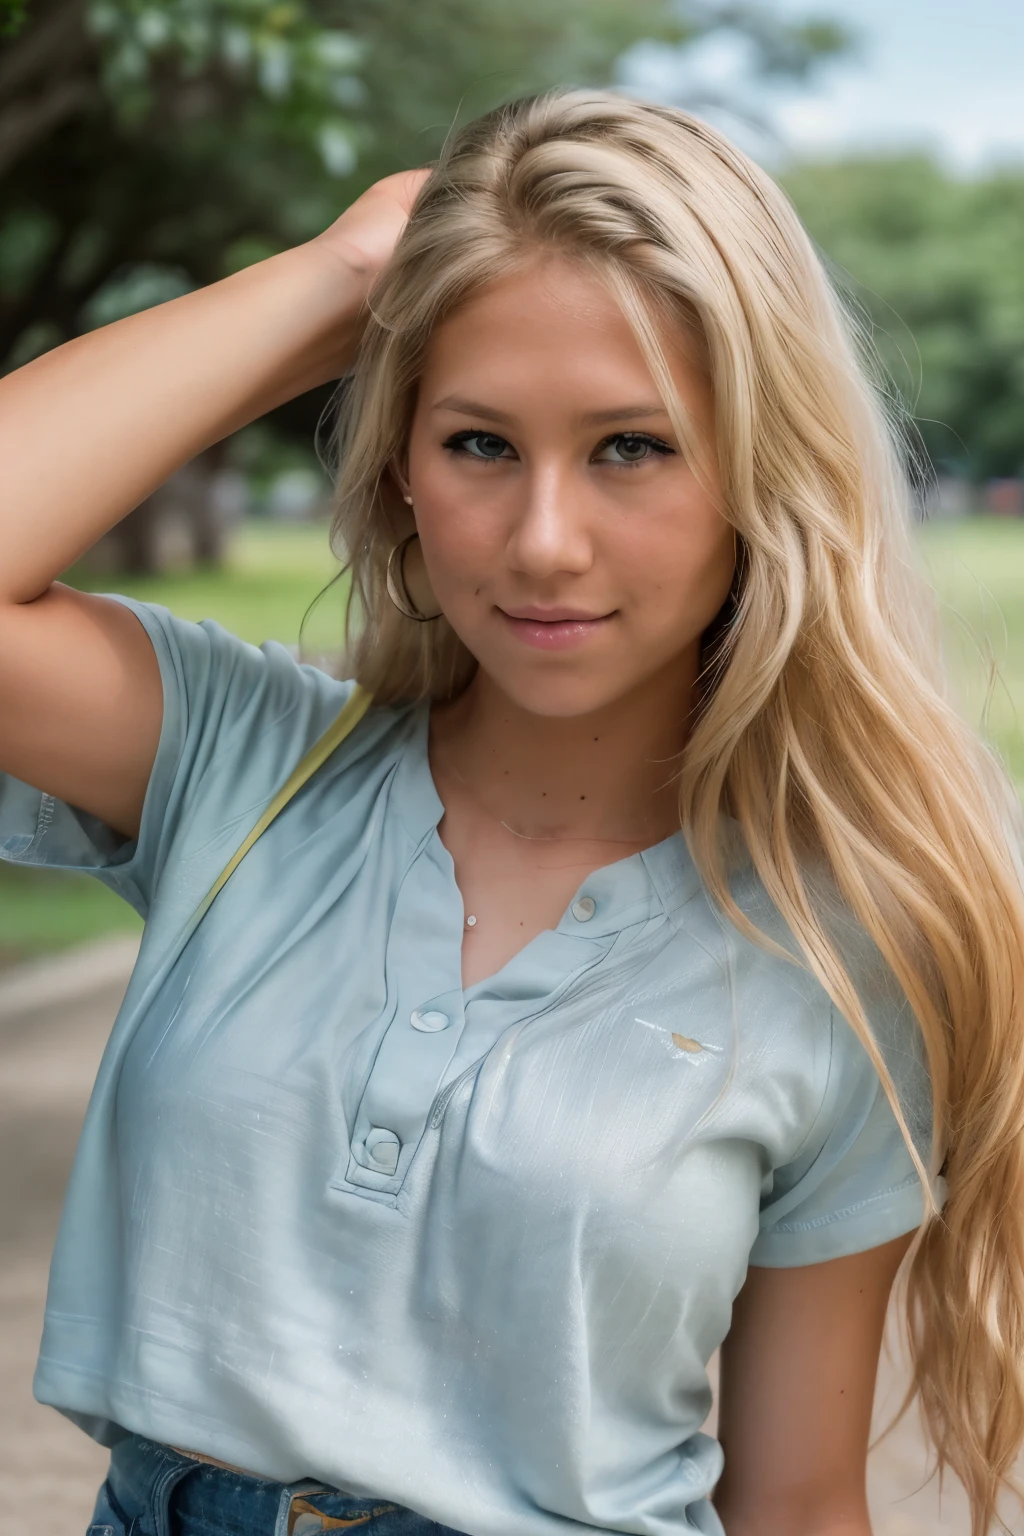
(620, 984)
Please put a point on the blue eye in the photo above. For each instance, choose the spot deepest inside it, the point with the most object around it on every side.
(478, 445)
(629, 448)
(632, 448)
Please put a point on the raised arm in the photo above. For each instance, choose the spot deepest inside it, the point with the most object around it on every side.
(89, 429)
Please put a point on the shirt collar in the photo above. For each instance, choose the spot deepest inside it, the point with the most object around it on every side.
(643, 885)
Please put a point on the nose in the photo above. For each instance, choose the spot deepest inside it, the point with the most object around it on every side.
(551, 533)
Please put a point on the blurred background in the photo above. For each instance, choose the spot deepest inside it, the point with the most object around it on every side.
(148, 147)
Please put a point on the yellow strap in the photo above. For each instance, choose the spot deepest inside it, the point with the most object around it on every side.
(355, 707)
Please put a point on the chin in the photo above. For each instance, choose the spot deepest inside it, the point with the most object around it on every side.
(560, 698)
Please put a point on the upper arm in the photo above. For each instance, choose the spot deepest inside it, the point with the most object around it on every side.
(797, 1386)
(81, 702)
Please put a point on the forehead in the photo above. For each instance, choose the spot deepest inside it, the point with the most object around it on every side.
(552, 328)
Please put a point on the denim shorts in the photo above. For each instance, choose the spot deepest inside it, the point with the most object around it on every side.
(152, 1490)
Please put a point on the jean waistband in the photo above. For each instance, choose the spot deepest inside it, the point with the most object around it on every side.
(149, 1480)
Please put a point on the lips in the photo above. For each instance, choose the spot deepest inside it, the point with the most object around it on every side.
(553, 629)
(553, 615)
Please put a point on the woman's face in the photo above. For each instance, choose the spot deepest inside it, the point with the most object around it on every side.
(564, 533)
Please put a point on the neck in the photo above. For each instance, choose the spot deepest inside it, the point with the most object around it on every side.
(607, 776)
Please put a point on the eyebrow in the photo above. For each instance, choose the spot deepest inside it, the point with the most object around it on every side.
(590, 419)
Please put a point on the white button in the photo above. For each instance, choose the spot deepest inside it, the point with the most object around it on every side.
(584, 909)
(382, 1149)
(431, 1020)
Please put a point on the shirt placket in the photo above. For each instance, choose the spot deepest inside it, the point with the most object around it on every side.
(424, 989)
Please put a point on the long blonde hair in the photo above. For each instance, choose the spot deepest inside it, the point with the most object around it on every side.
(824, 730)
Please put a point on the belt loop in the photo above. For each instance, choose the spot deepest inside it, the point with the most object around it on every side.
(163, 1486)
(284, 1508)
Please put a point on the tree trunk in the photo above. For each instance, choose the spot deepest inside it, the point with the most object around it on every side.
(182, 524)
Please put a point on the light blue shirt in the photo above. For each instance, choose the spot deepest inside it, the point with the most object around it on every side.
(332, 1216)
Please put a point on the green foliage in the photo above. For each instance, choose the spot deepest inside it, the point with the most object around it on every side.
(783, 52)
(13, 16)
(277, 53)
(175, 141)
(935, 265)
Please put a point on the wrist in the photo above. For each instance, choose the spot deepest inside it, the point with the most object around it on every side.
(326, 312)
(352, 264)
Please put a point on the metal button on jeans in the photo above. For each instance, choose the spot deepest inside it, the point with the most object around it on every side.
(584, 909)
(429, 1021)
(382, 1148)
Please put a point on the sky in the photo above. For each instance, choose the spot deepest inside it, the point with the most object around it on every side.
(943, 74)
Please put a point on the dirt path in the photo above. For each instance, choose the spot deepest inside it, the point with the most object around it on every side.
(49, 1471)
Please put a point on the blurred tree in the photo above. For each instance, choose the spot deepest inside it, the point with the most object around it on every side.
(148, 146)
(151, 146)
(934, 265)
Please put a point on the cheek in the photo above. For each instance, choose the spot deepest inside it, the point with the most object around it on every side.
(678, 566)
(458, 542)
(460, 526)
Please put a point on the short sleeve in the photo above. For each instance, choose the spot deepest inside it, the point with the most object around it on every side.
(236, 719)
(855, 1185)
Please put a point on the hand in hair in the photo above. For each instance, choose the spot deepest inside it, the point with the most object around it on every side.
(366, 233)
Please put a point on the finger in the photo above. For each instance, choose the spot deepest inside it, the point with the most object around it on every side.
(412, 181)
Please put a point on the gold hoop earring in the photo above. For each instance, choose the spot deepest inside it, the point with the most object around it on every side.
(397, 590)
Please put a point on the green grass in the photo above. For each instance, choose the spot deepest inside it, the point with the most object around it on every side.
(978, 569)
(41, 911)
(275, 571)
